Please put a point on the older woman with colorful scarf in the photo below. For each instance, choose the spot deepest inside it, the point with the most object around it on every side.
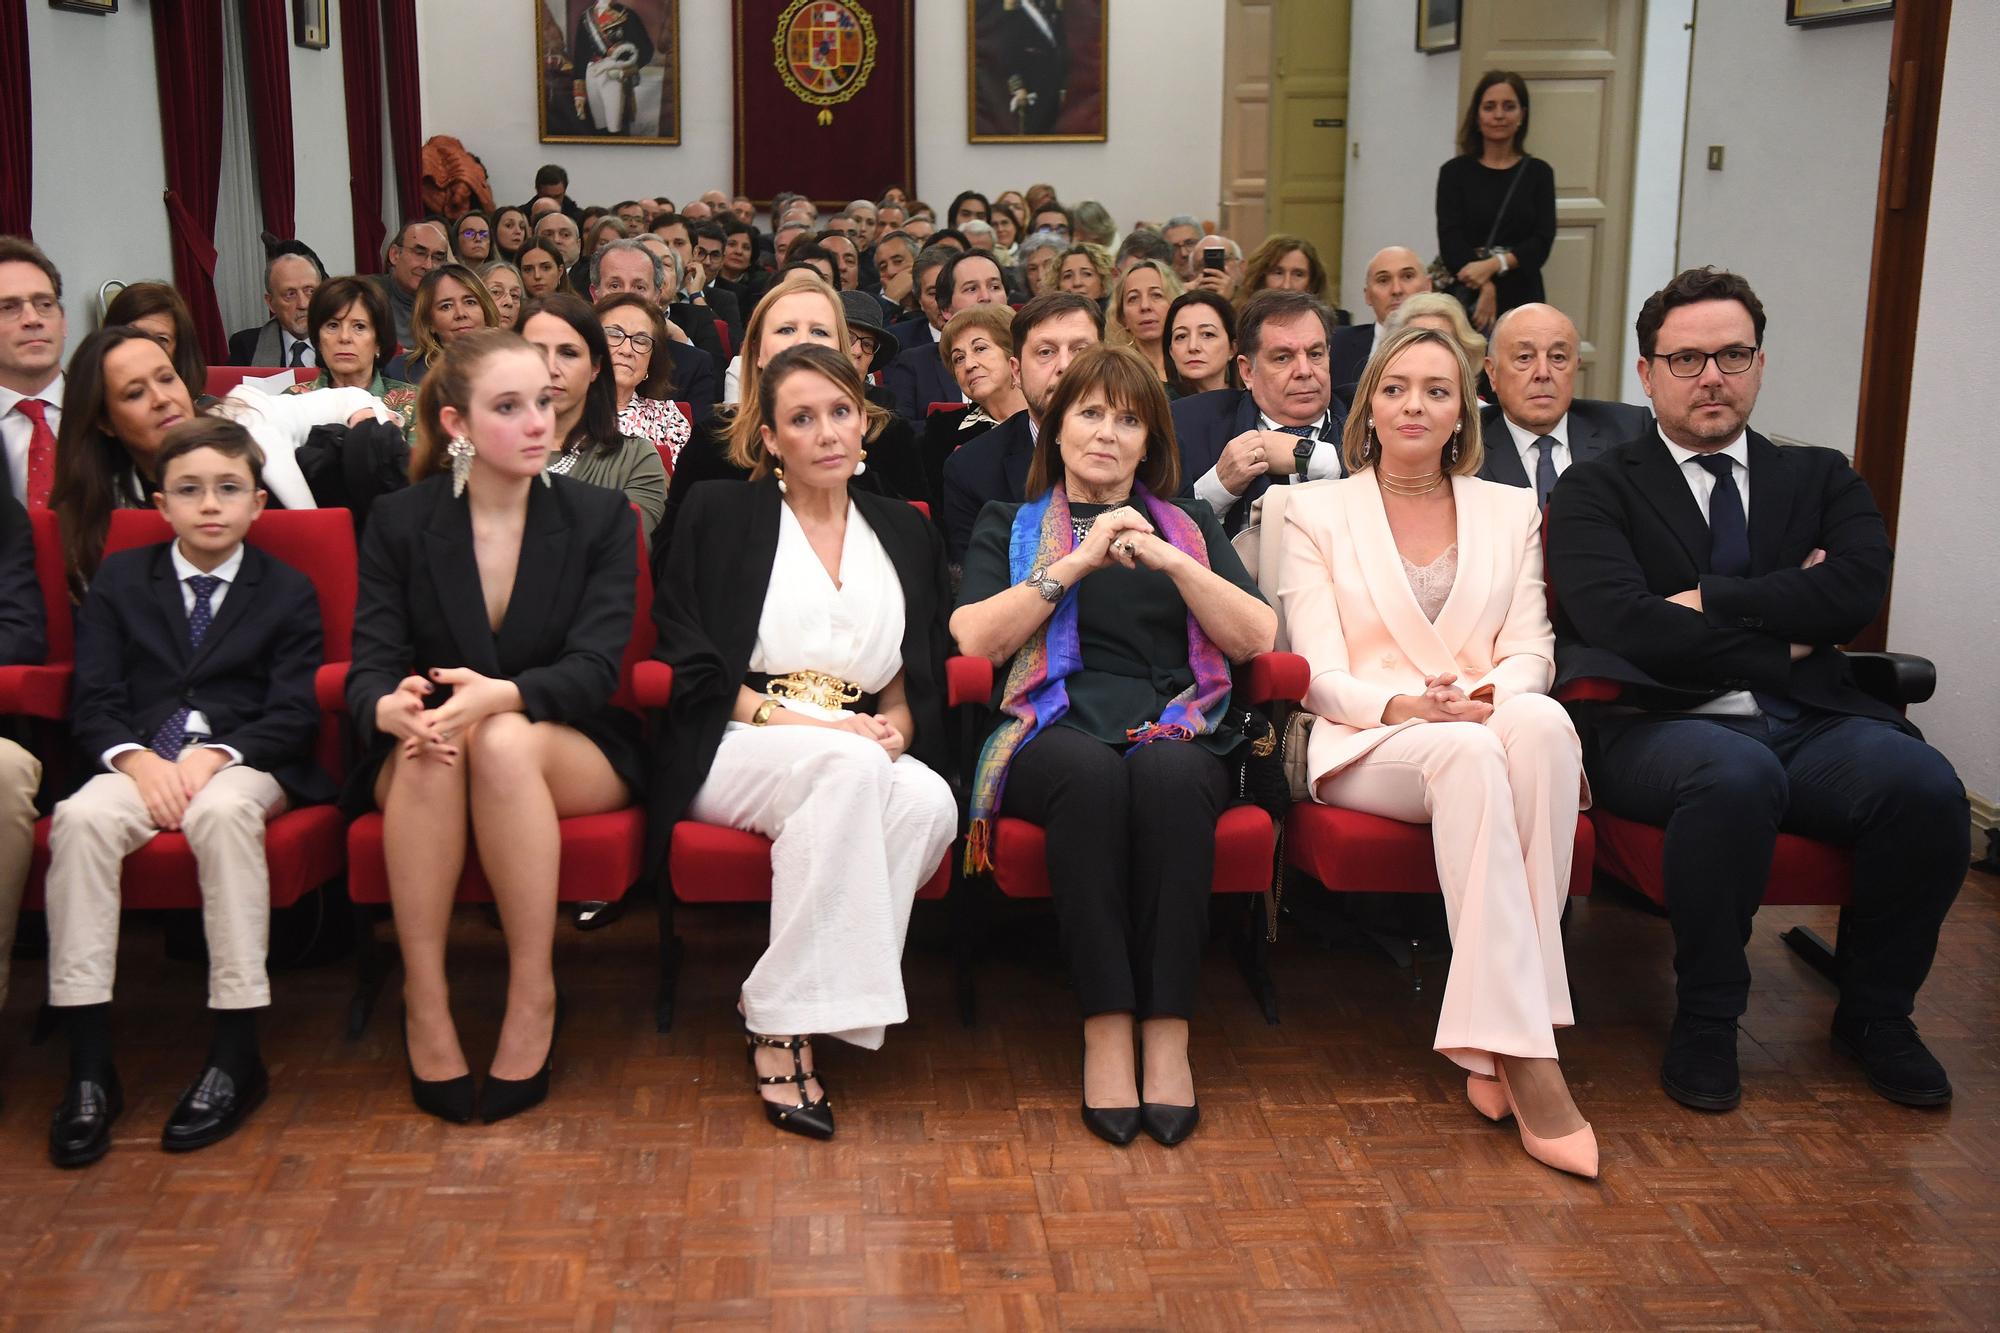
(1118, 611)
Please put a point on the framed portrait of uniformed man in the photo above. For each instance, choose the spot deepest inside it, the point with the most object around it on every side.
(1035, 71)
(609, 70)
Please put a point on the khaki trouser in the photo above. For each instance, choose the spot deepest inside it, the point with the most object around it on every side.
(20, 775)
(96, 829)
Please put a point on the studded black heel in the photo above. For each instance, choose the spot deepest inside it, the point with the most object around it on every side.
(814, 1119)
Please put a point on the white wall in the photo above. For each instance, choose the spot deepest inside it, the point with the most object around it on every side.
(1402, 115)
(1799, 112)
(97, 213)
(97, 203)
(319, 151)
(1656, 167)
(1947, 550)
(1163, 156)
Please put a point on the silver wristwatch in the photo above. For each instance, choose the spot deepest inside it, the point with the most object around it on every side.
(1038, 579)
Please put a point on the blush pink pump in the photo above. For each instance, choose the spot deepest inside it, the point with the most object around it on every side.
(1575, 1152)
(1483, 1091)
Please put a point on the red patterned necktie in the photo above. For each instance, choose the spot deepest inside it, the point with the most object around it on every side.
(41, 453)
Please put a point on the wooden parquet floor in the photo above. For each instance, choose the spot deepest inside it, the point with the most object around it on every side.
(1338, 1178)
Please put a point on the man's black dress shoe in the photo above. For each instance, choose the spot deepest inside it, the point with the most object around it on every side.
(1898, 1064)
(1168, 1125)
(1114, 1124)
(213, 1108)
(81, 1131)
(1700, 1067)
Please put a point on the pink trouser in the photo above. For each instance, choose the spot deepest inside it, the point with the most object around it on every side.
(1501, 799)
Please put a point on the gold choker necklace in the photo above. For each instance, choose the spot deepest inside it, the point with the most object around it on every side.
(1396, 485)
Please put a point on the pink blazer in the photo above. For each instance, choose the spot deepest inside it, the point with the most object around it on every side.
(1350, 613)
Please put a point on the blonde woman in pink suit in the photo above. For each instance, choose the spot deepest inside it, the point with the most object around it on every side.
(1415, 591)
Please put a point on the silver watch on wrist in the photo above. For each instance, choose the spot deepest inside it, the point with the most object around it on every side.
(1051, 590)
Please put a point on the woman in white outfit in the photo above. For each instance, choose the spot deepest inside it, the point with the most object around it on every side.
(805, 623)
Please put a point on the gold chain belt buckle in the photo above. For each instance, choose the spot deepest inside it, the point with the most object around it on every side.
(813, 687)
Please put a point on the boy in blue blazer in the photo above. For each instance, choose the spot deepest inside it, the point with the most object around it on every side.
(194, 705)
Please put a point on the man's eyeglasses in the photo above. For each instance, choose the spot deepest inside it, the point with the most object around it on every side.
(617, 337)
(16, 308)
(1687, 365)
(865, 345)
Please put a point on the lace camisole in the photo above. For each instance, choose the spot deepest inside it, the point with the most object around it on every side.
(1432, 583)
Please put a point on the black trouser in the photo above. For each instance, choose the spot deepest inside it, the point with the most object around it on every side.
(1724, 787)
(1131, 848)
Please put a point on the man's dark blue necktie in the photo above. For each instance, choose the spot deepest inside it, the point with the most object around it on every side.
(1728, 531)
(1729, 551)
(1545, 468)
(171, 738)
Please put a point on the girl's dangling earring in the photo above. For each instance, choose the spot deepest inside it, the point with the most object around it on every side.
(460, 453)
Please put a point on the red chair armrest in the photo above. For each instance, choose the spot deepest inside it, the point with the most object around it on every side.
(1589, 690)
(968, 680)
(35, 691)
(330, 687)
(652, 683)
(1274, 676)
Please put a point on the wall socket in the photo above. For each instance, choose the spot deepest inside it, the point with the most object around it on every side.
(1715, 157)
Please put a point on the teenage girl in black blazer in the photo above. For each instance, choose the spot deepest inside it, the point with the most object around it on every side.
(494, 608)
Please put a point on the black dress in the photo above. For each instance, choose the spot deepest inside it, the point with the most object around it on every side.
(562, 641)
(1468, 199)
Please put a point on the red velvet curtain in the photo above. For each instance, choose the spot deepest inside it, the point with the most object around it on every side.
(361, 72)
(17, 140)
(187, 61)
(406, 134)
(267, 64)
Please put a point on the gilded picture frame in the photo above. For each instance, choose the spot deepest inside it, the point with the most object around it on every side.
(1035, 71)
(1437, 26)
(624, 86)
(310, 27)
(1814, 13)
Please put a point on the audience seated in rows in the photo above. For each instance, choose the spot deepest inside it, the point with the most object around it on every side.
(1088, 516)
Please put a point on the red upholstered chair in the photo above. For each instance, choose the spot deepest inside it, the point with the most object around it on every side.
(711, 863)
(1804, 872)
(602, 855)
(221, 379)
(43, 691)
(686, 409)
(1348, 851)
(303, 846)
(1245, 839)
(935, 408)
(722, 332)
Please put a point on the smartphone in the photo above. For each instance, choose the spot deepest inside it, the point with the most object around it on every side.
(1215, 257)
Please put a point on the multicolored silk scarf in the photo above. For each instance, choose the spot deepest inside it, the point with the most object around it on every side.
(1035, 697)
